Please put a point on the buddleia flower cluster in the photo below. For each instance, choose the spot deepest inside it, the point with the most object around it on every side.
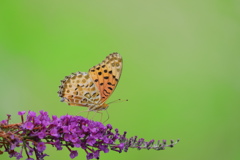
(32, 135)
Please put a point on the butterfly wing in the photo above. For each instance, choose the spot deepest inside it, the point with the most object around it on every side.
(78, 89)
(106, 75)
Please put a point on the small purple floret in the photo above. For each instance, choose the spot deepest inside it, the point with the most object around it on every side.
(41, 146)
(54, 132)
(73, 154)
(90, 156)
(28, 126)
(91, 141)
(21, 113)
(31, 114)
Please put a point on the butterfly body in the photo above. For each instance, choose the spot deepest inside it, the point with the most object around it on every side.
(92, 89)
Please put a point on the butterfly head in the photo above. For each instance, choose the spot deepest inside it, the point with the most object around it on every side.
(105, 106)
(98, 107)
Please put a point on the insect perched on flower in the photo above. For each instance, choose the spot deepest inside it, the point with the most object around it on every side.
(92, 89)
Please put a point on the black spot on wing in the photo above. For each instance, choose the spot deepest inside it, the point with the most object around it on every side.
(105, 92)
(109, 83)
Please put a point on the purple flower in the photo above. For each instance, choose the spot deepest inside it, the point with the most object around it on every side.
(54, 120)
(67, 131)
(91, 141)
(121, 146)
(21, 113)
(31, 114)
(73, 138)
(77, 144)
(104, 148)
(73, 154)
(90, 156)
(96, 154)
(66, 137)
(58, 145)
(85, 128)
(41, 134)
(94, 130)
(43, 113)
(28, 125)
(45, 123)
(109, 126)
(19, 156)
(37, 121)
(13, 145)
(41, 146)
(54, 132)
(4, 122)
(72, 128)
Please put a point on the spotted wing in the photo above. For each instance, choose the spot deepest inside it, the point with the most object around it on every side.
(106, 75)
(78, 89)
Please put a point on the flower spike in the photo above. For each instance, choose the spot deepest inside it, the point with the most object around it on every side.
(33, 135)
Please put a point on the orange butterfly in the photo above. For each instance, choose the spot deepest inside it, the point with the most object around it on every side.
(92, 89)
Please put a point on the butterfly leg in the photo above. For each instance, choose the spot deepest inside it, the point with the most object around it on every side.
(94, 115)
(101, 116)
(87, 114)
(83, 111)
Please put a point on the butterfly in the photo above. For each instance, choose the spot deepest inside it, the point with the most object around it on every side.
(91, 89)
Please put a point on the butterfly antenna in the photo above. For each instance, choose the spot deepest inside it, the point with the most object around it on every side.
(118, 101)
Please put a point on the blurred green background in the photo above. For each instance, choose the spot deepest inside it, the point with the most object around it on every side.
(180, 73)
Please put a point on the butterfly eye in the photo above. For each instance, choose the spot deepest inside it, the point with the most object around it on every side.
(63, 99)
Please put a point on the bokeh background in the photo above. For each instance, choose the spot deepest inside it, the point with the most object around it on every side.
(181, 70)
